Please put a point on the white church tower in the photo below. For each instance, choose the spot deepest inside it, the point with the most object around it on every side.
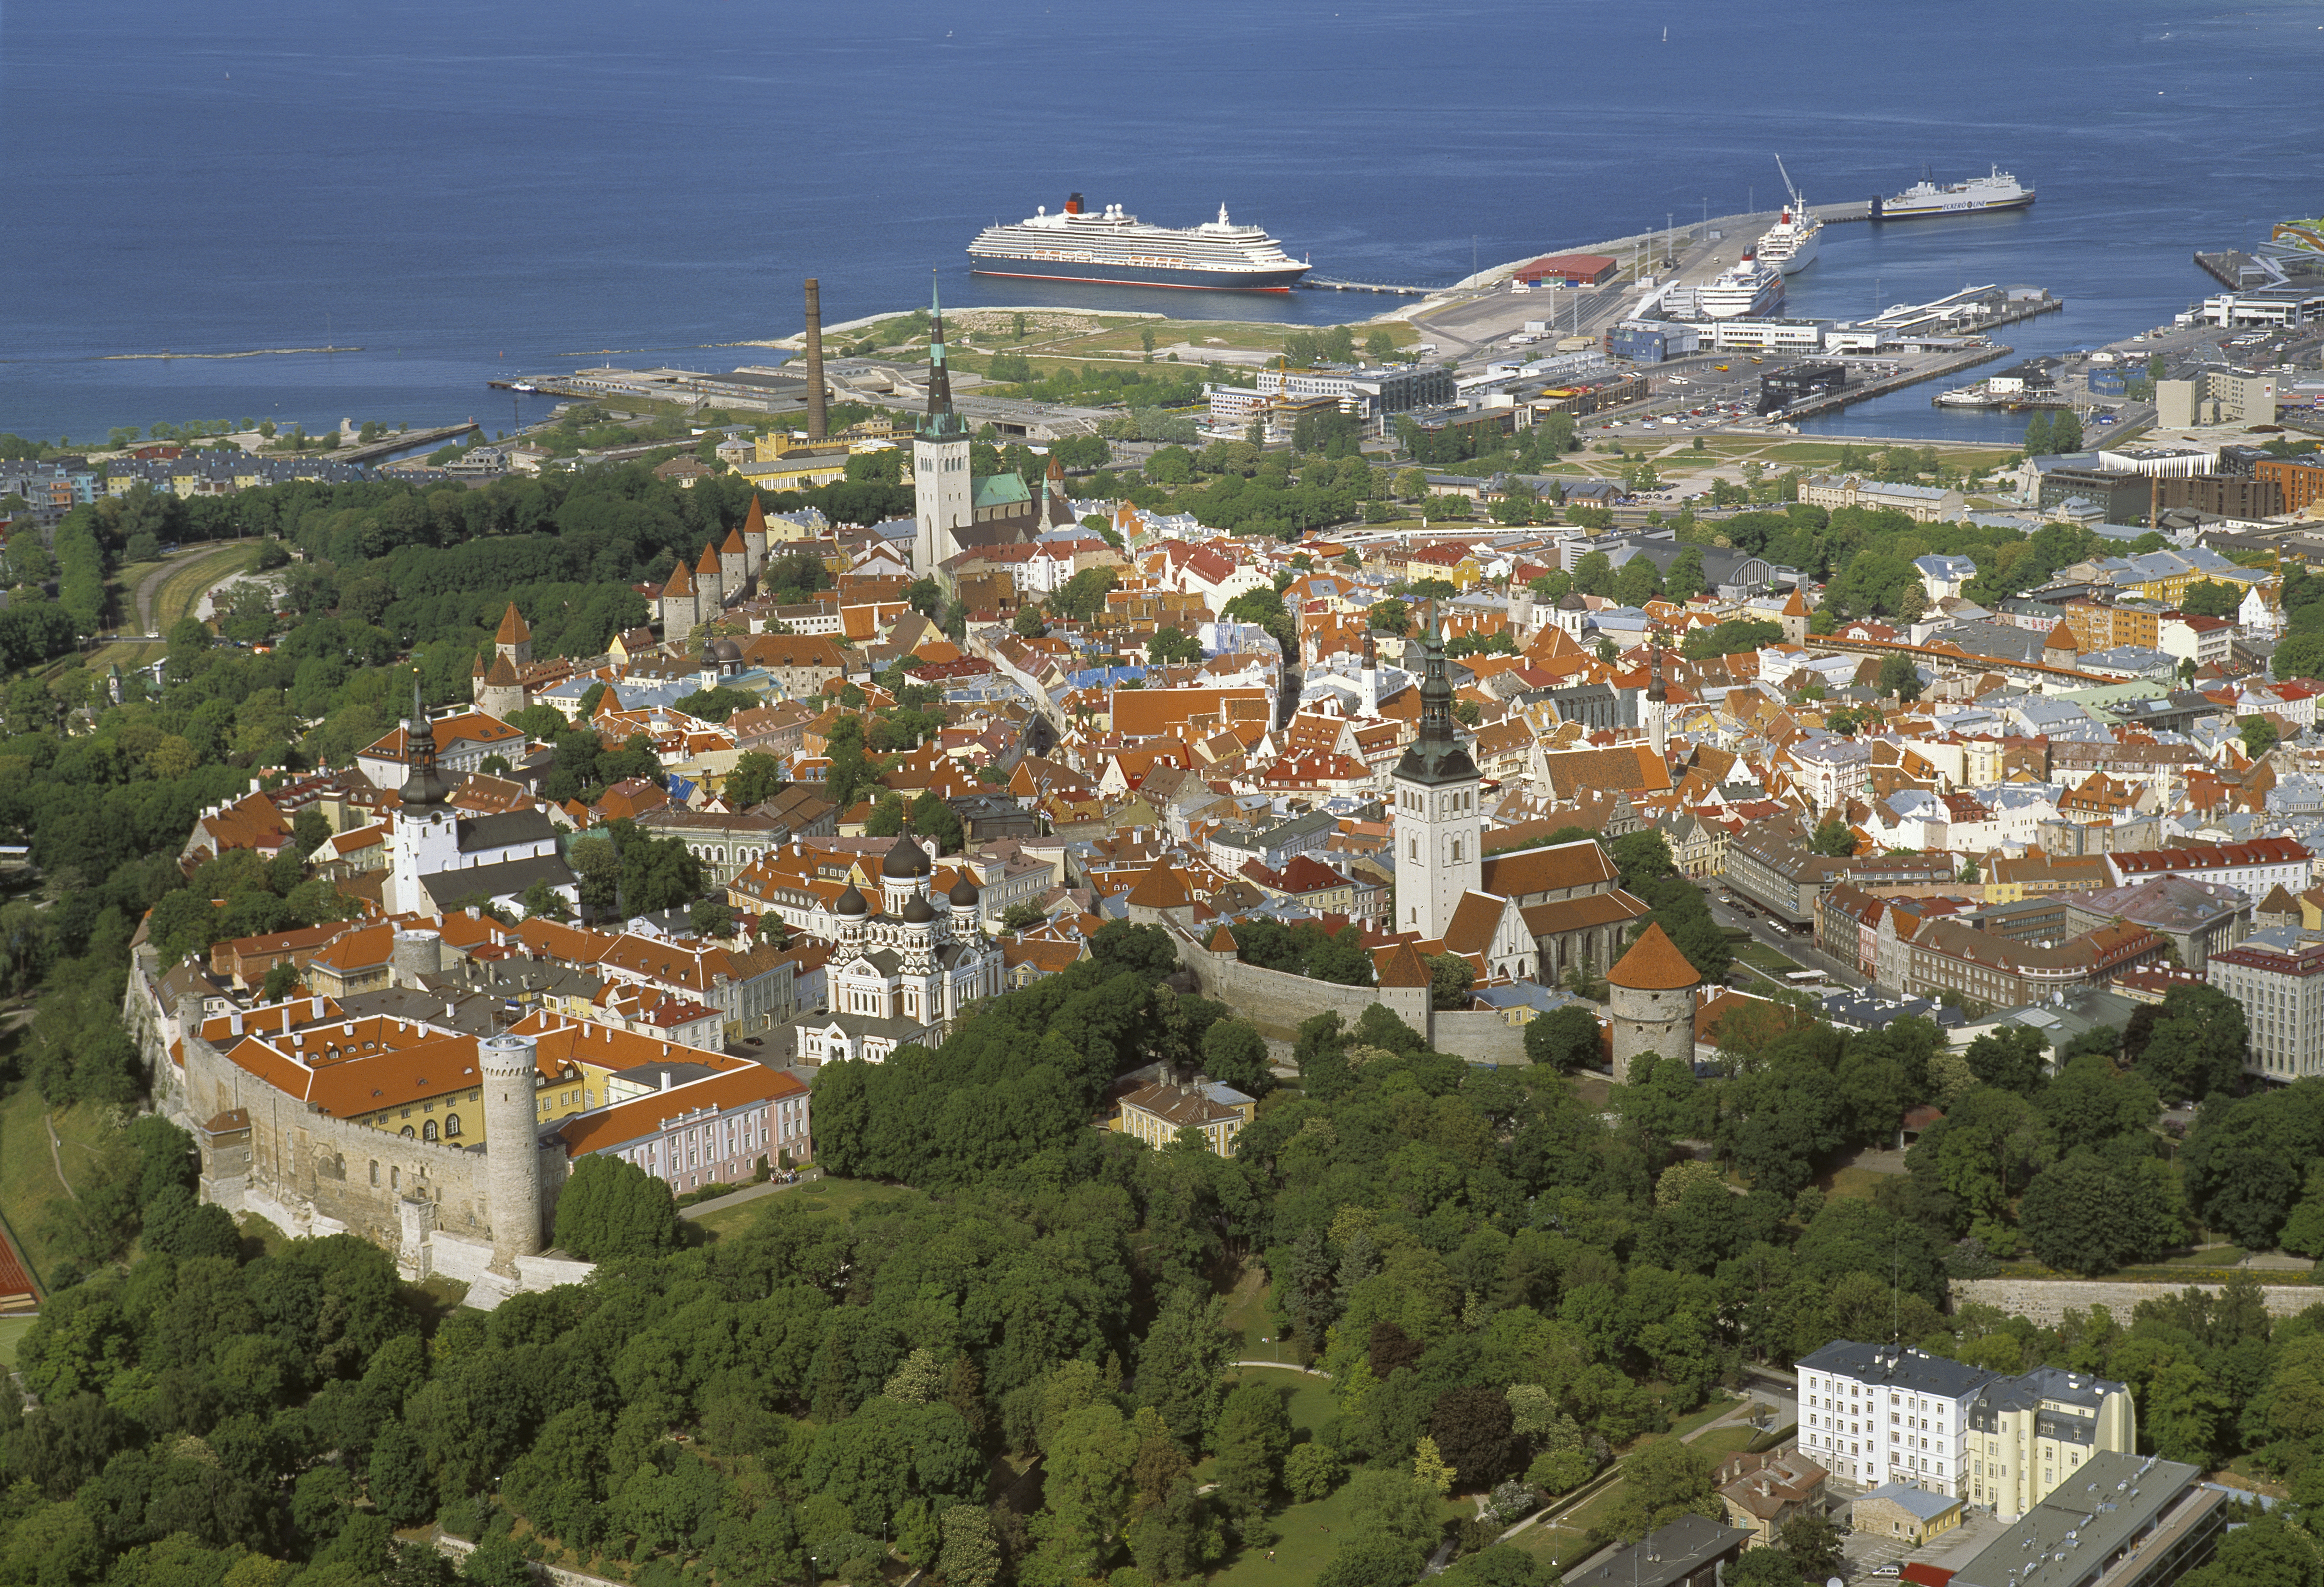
(427, 837)
(1437, 821)
(942, 493)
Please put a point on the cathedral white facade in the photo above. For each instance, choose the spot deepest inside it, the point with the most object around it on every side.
(902, 971)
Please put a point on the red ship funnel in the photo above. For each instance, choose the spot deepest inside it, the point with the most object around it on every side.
(1073, 204)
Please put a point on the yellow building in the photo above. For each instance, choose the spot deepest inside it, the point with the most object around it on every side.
(2027, 1435)
(1910, 1516)
(1156, 1113)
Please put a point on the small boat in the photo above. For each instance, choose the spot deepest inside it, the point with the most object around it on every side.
(523, 385)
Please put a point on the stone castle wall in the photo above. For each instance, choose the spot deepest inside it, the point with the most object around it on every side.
(1276, 1001)
(318, 1171)
(2045, 1301)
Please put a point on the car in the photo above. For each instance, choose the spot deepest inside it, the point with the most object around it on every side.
(1891, 1569)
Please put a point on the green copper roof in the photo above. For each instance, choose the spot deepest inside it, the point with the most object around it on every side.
(998, 490)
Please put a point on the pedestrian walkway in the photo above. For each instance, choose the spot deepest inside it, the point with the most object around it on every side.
(747, 1194)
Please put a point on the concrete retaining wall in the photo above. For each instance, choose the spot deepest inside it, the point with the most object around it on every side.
(2046, 1301)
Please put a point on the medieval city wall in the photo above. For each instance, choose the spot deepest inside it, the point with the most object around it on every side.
(2046, 1301)
(1276, 1000)
(306, 1165)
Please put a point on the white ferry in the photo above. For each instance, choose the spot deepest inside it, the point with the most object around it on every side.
(1998, 190)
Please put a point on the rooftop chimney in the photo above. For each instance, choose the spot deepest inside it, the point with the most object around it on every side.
(815, 421)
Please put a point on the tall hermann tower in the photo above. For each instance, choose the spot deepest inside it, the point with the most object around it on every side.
(510, 1069)
(1436, 817)
(943, 494)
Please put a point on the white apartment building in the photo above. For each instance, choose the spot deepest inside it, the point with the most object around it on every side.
(2278, 977)
(1833, 770)
(1872, 1414)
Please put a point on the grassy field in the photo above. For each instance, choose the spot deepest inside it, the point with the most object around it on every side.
(197, 570)
(1858, 1183)
(28, 1176)
(820, 1196)
(1760, 957)
(1306, 1537)
(11, 1332)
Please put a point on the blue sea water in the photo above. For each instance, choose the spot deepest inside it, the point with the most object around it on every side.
(464, 192)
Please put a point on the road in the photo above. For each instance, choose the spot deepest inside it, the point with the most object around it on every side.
(1799, 947)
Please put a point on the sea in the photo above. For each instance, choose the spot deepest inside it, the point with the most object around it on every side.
(198, 199)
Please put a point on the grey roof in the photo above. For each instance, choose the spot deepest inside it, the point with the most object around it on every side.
(1914, 1369)
(1997, 640)
(1919, 1501)
(508, 880)
(1666, 1555)
(2088, 1522)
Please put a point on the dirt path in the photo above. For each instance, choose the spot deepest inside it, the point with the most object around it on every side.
(57, 1156)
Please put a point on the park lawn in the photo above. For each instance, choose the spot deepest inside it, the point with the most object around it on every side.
(825, 1195)
(1715, 1407)
(1720, 1442)
(1306, 1536)
(1308, 1400)
(198, 571)
(1247, 1317)
(1855, 1182)
(12, 1334)
(28, 1176)
(1555, 1545)
(1760, 957)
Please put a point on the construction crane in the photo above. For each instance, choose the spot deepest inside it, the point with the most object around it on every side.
(1797, 203)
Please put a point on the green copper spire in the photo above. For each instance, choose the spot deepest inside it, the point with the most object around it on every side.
(940, 420)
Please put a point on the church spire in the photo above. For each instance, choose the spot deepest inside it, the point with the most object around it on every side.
(940, 413)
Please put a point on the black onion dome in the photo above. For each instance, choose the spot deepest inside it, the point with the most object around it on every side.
(905, 861)
(963, 894)
(851, 902)
(916, 911)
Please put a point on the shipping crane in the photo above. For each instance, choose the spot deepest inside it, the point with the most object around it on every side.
(1797, 203)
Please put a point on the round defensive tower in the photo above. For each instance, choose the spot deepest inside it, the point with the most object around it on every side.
(510, 1069)
(416, 953)
(1650, 1000)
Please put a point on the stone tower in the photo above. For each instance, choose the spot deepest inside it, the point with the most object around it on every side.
(943, 494)
(1650, 992)
(735, 561)
(514, 640)
(510, 1071)
(1436, 817)
(681, 609)
(754, 539)
(710, 582)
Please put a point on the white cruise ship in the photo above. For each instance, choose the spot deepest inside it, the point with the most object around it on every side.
(1998, 190)
(1749, 289)
(1790, 245)
(1114, 248)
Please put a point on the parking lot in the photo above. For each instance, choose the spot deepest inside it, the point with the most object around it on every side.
(1872, 1558)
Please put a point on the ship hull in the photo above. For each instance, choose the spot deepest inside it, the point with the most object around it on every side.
(1096, 273)
(1803, 254)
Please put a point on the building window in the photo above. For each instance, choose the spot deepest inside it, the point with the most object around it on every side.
(406, 1131)
(427, 1130)
(374, 1171)
(451, 1125)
